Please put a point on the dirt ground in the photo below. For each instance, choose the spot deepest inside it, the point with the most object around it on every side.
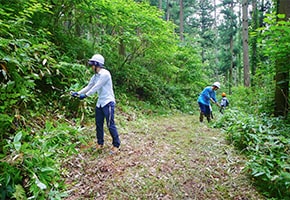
(173, 157)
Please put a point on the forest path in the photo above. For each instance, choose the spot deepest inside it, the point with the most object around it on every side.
(173, 157)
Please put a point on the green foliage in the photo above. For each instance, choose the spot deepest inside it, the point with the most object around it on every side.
(172, 90)
(30, 76)
(30, 163)
(248, 125)
(257, 99)
(273, 43)
(145, 61)
(153, 50)
(21, 56)
(274, 37)
(266, 142)
(43, 46)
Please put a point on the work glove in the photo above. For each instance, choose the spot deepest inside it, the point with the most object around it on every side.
(74, 94)
(82, 96)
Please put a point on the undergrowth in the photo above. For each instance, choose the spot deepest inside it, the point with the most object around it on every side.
(30, 162)
(266, 142)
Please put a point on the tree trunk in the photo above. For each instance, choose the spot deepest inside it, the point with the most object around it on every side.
(254, 56)
(168, 6)
(160, 5)
(181, 29)
(216, 35)
(232, 55)
(246, 44)
(261, 13)
(239, 56)
(282, 71)
(122, 47)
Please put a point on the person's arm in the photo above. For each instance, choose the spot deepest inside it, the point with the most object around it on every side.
(217, 103)
(104, 77)
(213, 99)
(87, 88)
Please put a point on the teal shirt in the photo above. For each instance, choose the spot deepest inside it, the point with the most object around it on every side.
(205, 96)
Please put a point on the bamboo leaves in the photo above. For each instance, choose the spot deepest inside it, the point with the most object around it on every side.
(266, 142)
(16, 141)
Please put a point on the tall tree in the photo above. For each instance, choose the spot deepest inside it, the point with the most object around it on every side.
(160, 4)
(231, 53)
(215, 33)
(282, 69)
(239, 66)
(168, 9)
(206, 27)
(227, 31)
(253, 39)
(246, 44)
(181, 20)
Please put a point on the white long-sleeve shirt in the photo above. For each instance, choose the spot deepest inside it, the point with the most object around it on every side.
(102, 84)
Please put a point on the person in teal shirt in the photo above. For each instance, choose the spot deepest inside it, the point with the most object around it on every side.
(207, 96)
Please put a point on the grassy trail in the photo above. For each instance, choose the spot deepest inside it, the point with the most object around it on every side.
(173, 157)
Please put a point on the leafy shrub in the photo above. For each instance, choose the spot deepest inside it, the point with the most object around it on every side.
(266, 142)
(257, 99)
(30, 167)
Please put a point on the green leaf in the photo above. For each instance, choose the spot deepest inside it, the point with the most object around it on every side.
(17, 137)
(47, 169)
(281, 16)
(259, 174)
(41, 185)
(16, 141)
(19, 192)
(17, 145)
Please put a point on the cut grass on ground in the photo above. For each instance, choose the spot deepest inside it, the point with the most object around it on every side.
(173, 157)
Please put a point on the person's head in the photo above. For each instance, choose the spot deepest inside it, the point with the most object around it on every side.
(224, 94)
(216, 86)
(97, 62)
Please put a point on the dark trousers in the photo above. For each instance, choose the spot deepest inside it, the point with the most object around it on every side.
(204, 111)
(106, 112)
(222, 109)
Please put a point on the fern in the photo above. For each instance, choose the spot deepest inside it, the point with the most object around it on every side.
(19, 193)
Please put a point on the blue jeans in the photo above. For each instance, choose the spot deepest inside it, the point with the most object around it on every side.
(106, 112)
(205, 109)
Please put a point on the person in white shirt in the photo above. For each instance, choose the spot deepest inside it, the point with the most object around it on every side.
(101, 82)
